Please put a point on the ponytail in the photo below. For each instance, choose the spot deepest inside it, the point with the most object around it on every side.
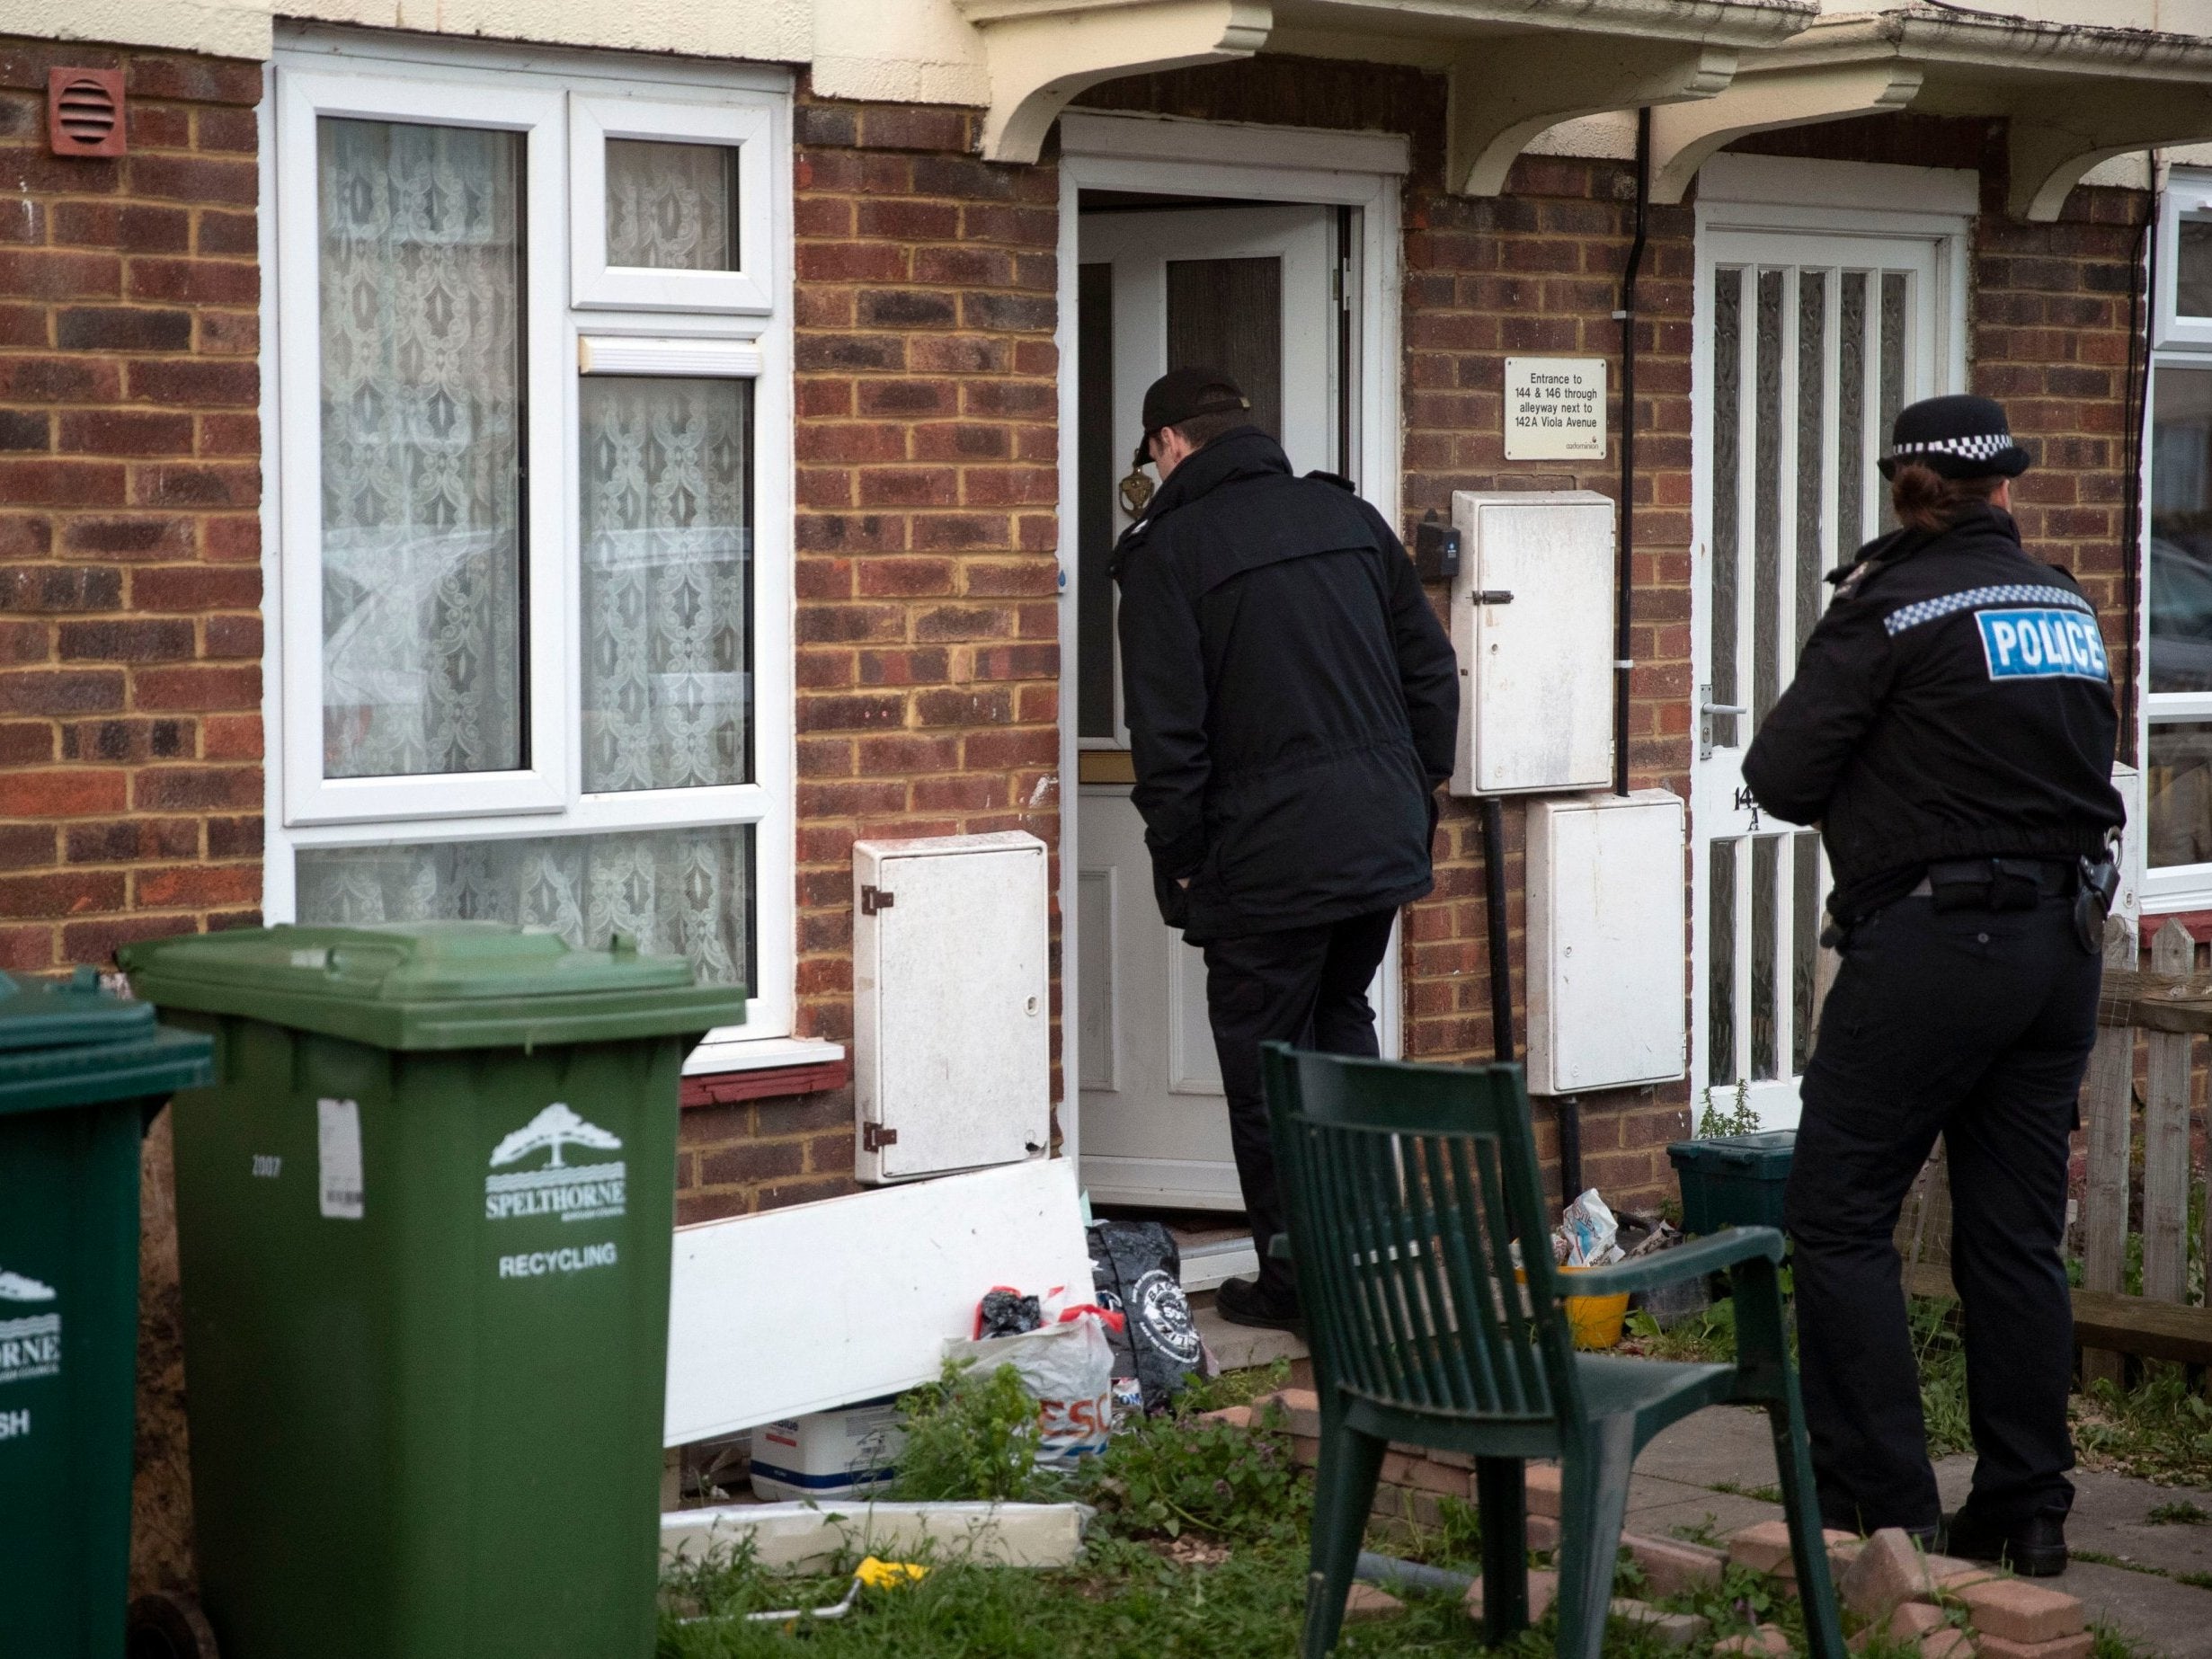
(1925, 500)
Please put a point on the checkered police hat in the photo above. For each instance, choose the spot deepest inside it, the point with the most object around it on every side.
(1960, 437)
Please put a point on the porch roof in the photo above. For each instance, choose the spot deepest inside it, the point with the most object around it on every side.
(1515, 66)
(2072, 94)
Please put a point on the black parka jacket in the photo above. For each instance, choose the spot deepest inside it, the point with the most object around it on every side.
(1954, 702)
(1292, 699)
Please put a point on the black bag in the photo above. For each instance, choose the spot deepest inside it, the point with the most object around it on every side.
(1136, 1271)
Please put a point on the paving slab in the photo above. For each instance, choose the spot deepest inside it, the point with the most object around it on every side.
(1724, 1443)
(2111, 1516)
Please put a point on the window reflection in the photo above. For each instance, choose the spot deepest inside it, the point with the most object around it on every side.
(2181, 552)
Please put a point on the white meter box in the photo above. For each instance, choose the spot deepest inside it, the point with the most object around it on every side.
(1533, 624)
(952, 1022)
(1607, 957)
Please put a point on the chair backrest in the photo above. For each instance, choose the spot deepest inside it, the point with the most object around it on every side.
(1407, 1188)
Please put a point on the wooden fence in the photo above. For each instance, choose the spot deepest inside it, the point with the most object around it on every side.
(2171, 1006)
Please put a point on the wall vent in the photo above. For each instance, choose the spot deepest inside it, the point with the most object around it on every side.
(84, 111)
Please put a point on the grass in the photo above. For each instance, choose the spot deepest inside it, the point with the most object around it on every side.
(2180, 1513)
(1767, 1493)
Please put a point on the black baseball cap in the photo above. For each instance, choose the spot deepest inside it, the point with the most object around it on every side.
(1184, 394)
(1957, 437)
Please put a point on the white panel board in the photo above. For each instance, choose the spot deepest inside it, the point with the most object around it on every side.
(952, 1003)
(1607, 977)
(1194, 1067)
(821, 1305)
(1536, 682)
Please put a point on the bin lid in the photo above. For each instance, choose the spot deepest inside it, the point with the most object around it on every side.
(67, 1041)
(1769, 1151)
(43, 1014)
(432, 985)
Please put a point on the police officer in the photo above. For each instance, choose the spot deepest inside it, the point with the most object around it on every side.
(1292, 704)
(1950, 729)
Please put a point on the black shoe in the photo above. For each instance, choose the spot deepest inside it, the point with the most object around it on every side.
(1247, 1301)
(2034, 1546)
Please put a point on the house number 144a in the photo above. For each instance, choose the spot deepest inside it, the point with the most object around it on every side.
(1744, 803)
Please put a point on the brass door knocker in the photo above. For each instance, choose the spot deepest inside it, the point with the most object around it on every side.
(1136, 492)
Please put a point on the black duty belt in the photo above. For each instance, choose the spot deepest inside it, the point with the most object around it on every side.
(1997, 883)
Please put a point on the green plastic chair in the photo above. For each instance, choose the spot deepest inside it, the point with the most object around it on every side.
(1407, 1187)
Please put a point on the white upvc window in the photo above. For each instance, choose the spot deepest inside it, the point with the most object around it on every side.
(529, 515)
(2176, 637)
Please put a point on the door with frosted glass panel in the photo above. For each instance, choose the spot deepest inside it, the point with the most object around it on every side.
(1809, 344)
(1247, 290)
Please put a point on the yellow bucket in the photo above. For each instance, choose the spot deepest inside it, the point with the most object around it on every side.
(1597, 1321)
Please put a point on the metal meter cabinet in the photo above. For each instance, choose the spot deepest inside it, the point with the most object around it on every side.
(82, 1072)
(952, 1003)
(424, 1218)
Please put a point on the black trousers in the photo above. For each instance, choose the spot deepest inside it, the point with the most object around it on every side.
(1977, 1026)
(1301, 984)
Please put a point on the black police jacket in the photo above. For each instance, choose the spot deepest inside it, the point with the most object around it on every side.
(1954, 703)
(1292, 699)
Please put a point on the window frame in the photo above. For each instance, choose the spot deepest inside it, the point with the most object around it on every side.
(384, 80)
(2187, 195)
(749, 289)
(2176, 343)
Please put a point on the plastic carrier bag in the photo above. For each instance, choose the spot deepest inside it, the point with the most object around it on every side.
(1068, 1368)
(1137, 1270)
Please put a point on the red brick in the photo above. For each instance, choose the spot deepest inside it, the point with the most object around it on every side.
(114, 432)
(58, 380)
(128, 739)
(59, 793)
(129, 840)
(188, 788)
(194, 281)
(122, 328)
(26, 846)
(127, 640)
(60, 588)
(230, 184)
(62, 484)
(56, 273)
(197, 885)
(198, 688)
(187, 384)
(50, 896)
(65, 691)
(97, 941)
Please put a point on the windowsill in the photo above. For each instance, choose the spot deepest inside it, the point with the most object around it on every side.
(761, 1054)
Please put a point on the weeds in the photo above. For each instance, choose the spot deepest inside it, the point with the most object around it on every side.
(2159, 1430)
(1165, 1474)
(1767, 1493)
(970, 1437)
(2180, 1513)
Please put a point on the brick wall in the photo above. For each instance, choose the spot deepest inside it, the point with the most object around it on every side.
(130, 639)
(927, 611)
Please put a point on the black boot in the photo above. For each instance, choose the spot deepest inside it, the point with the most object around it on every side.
(2034, 1546)
(1247, 1301)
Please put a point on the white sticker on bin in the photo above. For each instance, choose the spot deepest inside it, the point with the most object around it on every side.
(338, 1143)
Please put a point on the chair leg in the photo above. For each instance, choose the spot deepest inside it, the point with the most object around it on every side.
(1501, 1493)
(1763, 1348)
(1593, 1493)
(1344, 1494)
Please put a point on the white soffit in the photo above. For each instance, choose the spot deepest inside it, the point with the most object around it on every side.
(1516, 67)
(1852, 186)
(2072, 94)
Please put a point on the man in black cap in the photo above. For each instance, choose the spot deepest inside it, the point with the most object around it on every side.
(1950, 729)
(1291, 704)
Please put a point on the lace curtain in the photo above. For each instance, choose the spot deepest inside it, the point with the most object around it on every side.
(684, 892)
(421, 239)
(667, 669)
(423, 522)
(672, 207)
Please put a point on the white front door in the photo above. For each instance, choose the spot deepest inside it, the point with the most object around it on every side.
(1808, 344)
(1252, 291)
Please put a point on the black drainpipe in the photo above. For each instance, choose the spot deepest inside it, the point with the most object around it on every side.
(1568, 1108)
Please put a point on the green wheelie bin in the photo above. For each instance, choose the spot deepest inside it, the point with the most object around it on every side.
(82, 1072)
(425, 1216)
